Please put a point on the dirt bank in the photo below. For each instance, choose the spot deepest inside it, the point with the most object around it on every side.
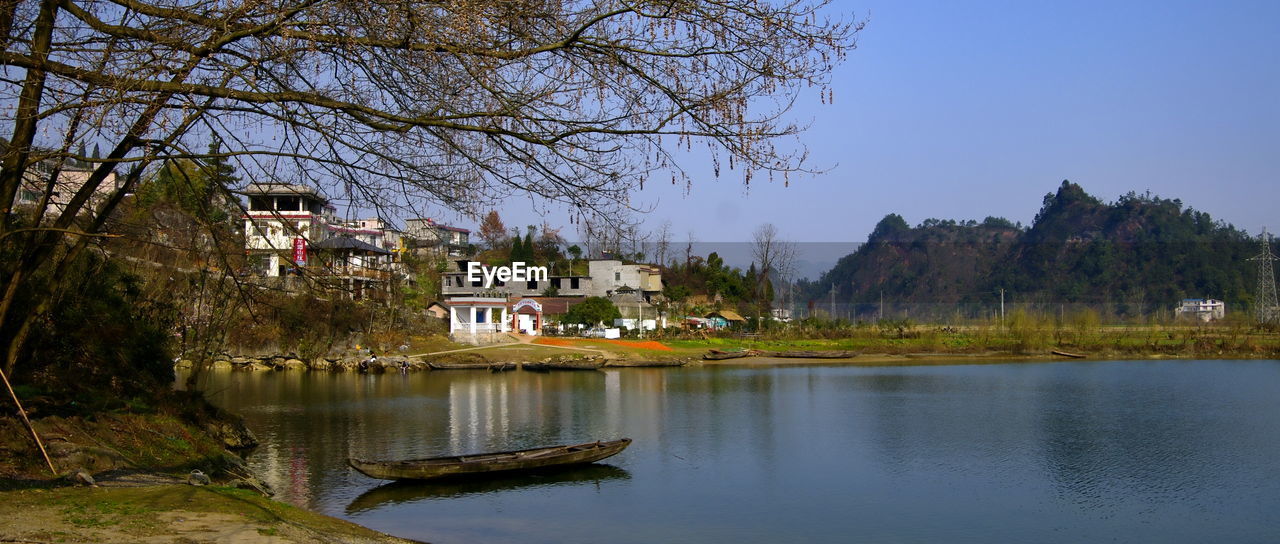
(167, 513)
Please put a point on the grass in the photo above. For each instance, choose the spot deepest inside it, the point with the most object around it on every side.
(1023, 339)
(69, 513)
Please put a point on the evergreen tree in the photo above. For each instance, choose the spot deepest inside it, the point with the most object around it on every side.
(517, 249)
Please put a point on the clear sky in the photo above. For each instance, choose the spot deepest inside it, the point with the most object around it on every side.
(961, 110)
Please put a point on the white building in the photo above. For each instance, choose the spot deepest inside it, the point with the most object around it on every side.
(478, 320)
(281, 223)
(1206, 309)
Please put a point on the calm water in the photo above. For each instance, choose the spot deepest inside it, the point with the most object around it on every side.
(1184, 451)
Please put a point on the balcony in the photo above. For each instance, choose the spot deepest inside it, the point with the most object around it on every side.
(349, 271)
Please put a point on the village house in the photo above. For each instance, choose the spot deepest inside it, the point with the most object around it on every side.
(426, 235)
(292, 229)
(639, 282)
(438, 310)
(357, 267)
(454, 282)
(487, 318)
(281, 222)
(721, 319)
(608, 276)
(68, 181)
(637, 313)
(534, 303)
(1205, 309)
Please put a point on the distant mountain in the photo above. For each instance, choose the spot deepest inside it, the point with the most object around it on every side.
(1140, 250)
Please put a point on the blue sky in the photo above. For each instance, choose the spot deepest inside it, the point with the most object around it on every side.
(964, 110)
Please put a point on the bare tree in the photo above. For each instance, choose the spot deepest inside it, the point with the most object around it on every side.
(394, 103)
(613, 234)
(775, 258)
(690, 239)
(662, 243)
(634, 241)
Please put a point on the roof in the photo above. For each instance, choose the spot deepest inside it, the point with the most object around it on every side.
(432, 223)
(347, 242)
(557, 305)
(284, 189)
(356, 230)
(728, 315)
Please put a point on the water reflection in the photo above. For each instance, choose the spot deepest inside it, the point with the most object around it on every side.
(410, 491)
(1170, 451)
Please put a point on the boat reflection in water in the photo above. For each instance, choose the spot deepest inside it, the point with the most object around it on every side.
(408, 491)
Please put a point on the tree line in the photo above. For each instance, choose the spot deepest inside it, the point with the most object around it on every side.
(1135, 254)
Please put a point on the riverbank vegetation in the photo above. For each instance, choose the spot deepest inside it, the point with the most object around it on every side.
(1022, 335)
(168, 513)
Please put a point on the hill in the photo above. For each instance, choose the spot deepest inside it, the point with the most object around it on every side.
(1136, 254)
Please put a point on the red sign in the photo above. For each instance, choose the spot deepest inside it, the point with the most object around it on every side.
(300, 251)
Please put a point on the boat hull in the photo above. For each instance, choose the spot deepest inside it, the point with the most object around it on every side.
(645, 364)
(536, 458)
(563, 365)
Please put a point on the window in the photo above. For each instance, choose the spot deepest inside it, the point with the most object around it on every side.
(259, 204)
(531, 284)
(288, 203)
(573, 283)
(617, 276)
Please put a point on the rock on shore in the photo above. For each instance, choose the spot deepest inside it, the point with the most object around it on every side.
(390, 363)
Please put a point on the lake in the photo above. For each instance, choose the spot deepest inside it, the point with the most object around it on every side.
(1134, 451)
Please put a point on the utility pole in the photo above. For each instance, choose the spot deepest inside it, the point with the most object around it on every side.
(1268, 309)
(1002, 307)
(881, 306)
(833, 301)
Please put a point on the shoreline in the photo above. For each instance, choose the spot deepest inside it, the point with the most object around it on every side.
(938, 359)
(392, 365)
(114, 513)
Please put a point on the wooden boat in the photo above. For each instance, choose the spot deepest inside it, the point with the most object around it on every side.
(482, 463)
(811, 354)
(717, 355)
(501, 367)
(582, 364)
(623, 363)
(1068, 354)
(408, 491)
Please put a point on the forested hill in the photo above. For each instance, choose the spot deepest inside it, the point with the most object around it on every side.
(1140, 249)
